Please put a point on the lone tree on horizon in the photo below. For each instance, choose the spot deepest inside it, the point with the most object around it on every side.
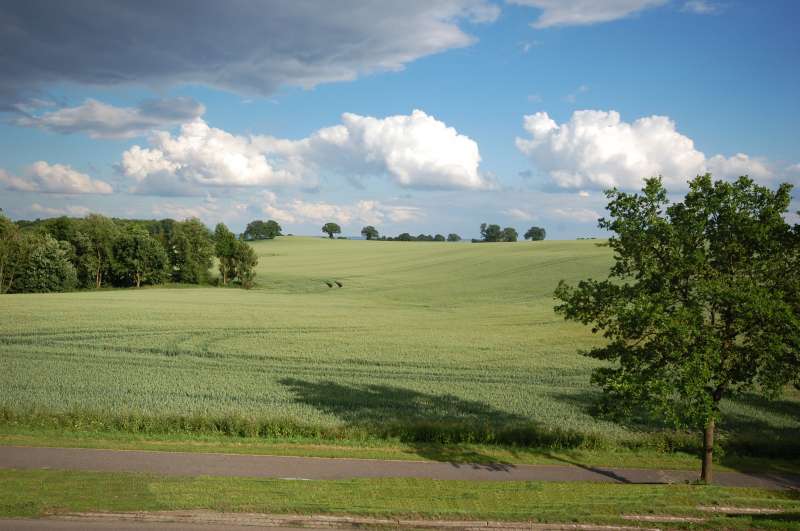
(702, 302)
(331, 228)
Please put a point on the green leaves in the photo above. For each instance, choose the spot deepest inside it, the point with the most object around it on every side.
(702, 300)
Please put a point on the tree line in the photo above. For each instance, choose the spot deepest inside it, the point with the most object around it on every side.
(62, 254)
(489, 233)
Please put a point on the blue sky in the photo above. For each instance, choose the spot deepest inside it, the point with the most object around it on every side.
(529, 109)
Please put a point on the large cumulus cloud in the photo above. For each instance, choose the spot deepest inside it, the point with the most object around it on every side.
(414, 151)
(596, 149)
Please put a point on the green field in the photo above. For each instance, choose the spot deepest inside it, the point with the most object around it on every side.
(425, 342)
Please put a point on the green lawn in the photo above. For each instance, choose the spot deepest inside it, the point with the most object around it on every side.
(41, 492)
(426, 342)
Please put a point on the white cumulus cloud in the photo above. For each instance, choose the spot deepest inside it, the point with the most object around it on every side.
(584, 12)
(54, 178)
(597, 150)
(101, 120)
(415, 151)
(198, 156)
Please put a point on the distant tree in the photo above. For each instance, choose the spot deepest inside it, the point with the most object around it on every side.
(439, 238)
(491, 233)
(225, 250)
(191, 251)
(331, 228)
(262, 230)
(535, 234)
(370, 232)
(702, 302)
(405, 237)
(98, 234)
(245, 262)
(453, 237)
(139, 258)
(43, 266)
(509, 234)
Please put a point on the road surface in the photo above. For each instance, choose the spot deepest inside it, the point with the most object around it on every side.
(233, 465)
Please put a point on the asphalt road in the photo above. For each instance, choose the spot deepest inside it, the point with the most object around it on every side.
(201, 464)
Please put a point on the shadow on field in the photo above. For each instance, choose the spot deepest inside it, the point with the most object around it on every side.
(435, 425)
(748, 429)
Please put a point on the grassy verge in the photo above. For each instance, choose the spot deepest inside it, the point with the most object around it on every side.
(41, 492)
(379, 449)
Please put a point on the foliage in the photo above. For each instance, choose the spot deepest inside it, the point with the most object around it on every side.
(191, 251)
(331, 228)
(97, 243)
(225, 250)
(535, 234)
(701, 303)
(139, 258)
(262, 230)
(491, 233)
(10, 252)
(453, 237)
(245, 262)
(370, 232)
(509, 234)
(43, 266)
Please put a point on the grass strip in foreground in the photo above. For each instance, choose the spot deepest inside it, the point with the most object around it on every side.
(42, 492)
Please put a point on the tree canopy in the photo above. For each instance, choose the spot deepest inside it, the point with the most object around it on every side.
(535, 234)
(370, 232)
(331, 228)
(702, 302)
(493, 233)
(262, 230)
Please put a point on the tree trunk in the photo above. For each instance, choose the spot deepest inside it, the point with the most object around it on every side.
(707, 475)
(138, 280)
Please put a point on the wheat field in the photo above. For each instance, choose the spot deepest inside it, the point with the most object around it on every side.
(421, 338)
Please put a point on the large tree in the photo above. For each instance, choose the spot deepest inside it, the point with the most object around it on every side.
(509, 234)
(453, 237)
(98, 234)
(491, 232)
(370, 232)
(191, 251)
(535, 234)
(10, 252)
(245, 264)
(331, 228)
(43, 265)
(139, 258)
(225, 249)
(262, 230)
(701, 303)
